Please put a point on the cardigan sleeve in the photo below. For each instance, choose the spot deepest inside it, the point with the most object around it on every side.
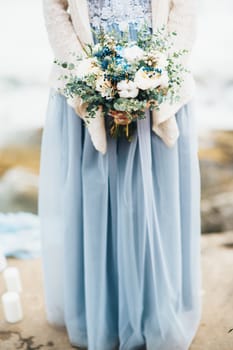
(182, 20)
(63, 40)
(62, 37)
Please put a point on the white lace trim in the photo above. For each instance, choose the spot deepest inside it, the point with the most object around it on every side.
(121, 12)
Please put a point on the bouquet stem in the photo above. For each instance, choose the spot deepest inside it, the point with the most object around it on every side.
(117, 126)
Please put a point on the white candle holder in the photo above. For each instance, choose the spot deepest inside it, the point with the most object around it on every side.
(12, 307)
(12, 279)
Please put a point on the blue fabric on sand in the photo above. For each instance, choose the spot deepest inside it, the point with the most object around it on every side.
(120, 234)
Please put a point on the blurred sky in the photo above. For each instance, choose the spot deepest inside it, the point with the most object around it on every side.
(25, 60)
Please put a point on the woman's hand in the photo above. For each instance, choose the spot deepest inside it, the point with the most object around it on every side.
(120, 117)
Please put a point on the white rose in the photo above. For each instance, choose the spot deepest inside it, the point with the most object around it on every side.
(146, 80)
(133, 53)
(87, 66)
(149, 80)
(103, 86)
(127, 89)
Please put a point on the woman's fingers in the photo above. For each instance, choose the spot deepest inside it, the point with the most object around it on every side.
(118, 114)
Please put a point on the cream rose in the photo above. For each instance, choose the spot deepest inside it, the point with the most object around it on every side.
(103, 86)
(157, 59)
(87, 66)
(150, 80)
(146, 80)
(127, 89)
(133, 53)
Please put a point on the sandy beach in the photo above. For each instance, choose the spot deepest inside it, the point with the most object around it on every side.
(34, 332)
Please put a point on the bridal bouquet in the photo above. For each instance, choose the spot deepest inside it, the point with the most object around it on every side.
(126, 77)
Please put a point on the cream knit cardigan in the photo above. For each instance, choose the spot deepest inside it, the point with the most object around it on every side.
(68, 26)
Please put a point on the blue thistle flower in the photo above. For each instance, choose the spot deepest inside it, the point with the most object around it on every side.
(119, 60)
(119, 49)
(103, 53)
(104, 64)
(158, 70)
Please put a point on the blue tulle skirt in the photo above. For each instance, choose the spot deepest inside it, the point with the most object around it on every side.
(120, 234)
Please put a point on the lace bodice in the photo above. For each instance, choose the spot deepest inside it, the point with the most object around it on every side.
(120, 12)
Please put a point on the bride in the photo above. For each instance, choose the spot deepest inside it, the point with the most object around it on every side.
(120, 221)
